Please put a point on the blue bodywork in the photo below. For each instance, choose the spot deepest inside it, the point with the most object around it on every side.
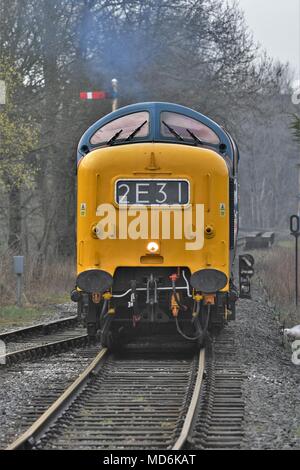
(155, 110)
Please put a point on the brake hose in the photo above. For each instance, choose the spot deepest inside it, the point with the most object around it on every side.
(202, 332)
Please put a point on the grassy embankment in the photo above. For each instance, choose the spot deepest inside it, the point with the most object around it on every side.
(44, 287)
(276, 270)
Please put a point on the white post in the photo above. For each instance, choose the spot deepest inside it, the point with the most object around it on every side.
(115, 87)
(2, 92)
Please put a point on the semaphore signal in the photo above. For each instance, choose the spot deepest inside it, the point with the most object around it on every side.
(103, 95)
(93, 95)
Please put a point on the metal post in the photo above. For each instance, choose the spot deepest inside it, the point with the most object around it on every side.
(19, 270)
(295, 231)
(298, 196)
(115, 87)
(296, 268)
(19, 290)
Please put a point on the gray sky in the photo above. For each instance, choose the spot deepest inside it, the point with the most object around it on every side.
(276, 26)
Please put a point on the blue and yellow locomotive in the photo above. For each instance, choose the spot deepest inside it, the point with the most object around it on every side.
(157, 223)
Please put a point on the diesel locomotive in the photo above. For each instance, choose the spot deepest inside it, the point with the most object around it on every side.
(157, 224)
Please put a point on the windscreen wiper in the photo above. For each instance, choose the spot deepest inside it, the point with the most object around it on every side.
(136, 131)
(221, 147)
(114, 138)
(196, 139)
(173, 131)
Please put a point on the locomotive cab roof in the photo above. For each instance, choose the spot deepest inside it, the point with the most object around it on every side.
(158, 122)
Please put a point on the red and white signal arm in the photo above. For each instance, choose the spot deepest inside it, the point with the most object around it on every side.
(93, 95)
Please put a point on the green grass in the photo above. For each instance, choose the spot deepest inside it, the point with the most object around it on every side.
(286, 243)
(14, 316)
(51, 299)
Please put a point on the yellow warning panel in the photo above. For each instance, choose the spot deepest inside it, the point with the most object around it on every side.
(83, 209)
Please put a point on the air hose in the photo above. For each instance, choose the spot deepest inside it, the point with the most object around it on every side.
(201, 332)
(189, 338)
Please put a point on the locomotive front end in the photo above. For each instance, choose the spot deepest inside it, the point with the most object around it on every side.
(156, 224)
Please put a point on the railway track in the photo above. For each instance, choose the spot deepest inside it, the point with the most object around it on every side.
(40, 328)
(145, 400)
(42, 340)
(219, 422)
(28, 388)
(133, 401)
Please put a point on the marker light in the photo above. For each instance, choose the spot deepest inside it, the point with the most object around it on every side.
(152, 247)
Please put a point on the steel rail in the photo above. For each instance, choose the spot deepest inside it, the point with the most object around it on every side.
(40, 327)
(42, 349)
(91, 381)
(212, 416)
(220, 418)
(33, 434)
(188, 422)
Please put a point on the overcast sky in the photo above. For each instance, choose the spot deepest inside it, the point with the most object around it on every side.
(276, 26)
